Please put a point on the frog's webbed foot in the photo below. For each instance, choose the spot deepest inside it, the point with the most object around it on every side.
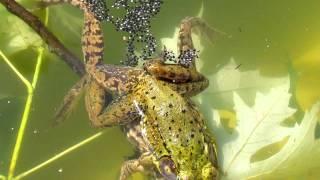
(70, 100)
(143, 164)
(120, 111)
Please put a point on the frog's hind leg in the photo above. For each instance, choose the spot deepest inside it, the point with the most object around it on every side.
(101, 114)
(70, 100)
(143, 164)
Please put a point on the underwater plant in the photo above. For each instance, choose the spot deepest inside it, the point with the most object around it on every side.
(249, 91)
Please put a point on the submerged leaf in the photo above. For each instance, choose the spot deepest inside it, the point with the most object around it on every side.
(231, 79)
(260, 126)
(253, 129)
(17, 35)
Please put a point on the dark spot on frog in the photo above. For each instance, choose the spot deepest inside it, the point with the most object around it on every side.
(183, 111)
(191, 122)
(187, 88)
(171, 94)
(192, 135)
(172, 120)
(147, 92)
(153, 97)
(169, 127)
(171, 75)
(153, 107)
(170, 105)
(179, 129)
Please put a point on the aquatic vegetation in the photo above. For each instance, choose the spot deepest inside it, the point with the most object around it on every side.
(258, 142)
(30, 86)
(299, 145)
(18, 43)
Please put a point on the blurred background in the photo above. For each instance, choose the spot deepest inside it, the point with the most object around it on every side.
(275, 38)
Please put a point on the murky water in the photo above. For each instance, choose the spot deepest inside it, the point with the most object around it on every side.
(269, 39)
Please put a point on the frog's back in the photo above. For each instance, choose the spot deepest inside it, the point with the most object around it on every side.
(171, 121)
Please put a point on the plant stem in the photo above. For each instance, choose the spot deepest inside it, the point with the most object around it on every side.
(16, 71)
(54, 44)
(26, 112)
(61, 154)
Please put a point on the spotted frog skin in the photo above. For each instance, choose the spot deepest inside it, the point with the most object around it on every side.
(152, 104)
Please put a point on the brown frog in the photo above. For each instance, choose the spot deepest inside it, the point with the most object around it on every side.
(151, 103)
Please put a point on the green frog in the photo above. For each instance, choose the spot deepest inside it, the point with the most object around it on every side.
(151, 103)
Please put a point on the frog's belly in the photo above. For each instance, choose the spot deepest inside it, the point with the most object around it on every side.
(134, 135)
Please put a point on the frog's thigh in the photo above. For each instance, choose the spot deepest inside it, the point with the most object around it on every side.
(190, 88)
(119, 111)
(172, 72)
(70, 100)
(143, 164)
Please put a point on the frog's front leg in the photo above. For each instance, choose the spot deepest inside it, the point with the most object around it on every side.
(101, 114)
(184, 80)
(189, 89)
(143, 164)
(70, 100)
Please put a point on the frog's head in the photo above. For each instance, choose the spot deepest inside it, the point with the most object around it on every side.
(186, 171)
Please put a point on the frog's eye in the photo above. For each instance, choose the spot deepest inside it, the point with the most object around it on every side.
(167, 167)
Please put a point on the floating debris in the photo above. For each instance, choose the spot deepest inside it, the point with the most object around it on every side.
(60, 170)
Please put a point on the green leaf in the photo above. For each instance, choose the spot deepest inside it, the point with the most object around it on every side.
(259, 126)
(17, 35)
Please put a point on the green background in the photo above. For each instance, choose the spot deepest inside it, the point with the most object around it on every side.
(261, 34)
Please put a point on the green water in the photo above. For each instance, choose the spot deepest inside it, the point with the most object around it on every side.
(274, 37)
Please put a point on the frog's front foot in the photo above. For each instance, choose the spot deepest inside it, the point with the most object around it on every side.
(136, 165)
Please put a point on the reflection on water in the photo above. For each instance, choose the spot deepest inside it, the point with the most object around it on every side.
(264, 70)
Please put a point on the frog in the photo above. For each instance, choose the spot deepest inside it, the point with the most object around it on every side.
(151, 103)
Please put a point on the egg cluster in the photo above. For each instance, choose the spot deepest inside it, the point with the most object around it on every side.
(185, 58)
(135, 21)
